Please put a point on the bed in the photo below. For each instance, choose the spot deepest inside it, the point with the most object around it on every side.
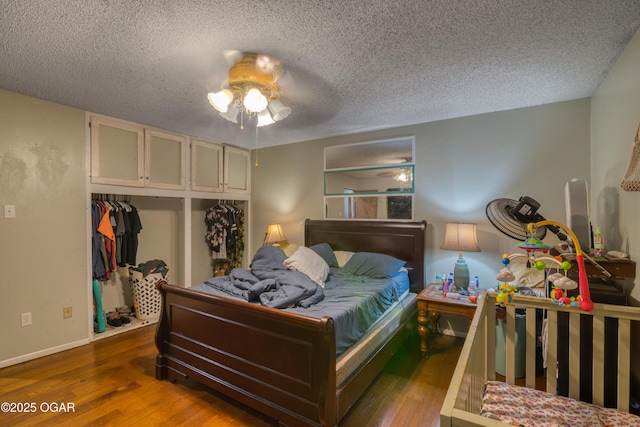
(474, 389)
(286, 366)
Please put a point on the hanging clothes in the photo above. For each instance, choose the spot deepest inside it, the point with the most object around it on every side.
(115, 229)
(225, 232)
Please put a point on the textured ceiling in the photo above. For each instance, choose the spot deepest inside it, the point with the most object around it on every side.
(351, 66)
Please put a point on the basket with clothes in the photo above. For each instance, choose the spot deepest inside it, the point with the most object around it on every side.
(147, 301)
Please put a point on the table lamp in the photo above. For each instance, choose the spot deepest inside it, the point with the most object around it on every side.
(274, 235)
(460, 237)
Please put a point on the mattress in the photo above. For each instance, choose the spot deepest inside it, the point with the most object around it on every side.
(354, 302)
(379, 333)
(527, 407)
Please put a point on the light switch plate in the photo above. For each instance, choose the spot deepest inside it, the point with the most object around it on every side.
(9, 211)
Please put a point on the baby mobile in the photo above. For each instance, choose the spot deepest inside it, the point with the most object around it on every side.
(561, 283)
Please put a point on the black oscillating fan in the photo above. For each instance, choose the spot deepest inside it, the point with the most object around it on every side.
(511, 217)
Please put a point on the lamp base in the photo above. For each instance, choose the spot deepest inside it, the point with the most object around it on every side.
(461, 274)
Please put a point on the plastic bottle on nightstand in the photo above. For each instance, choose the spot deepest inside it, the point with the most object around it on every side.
(451, 285)
(598, 243)
(473, 287)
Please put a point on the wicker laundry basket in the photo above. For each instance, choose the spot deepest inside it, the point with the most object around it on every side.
(146, 297)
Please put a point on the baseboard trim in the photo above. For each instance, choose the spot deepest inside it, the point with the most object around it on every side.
(42, 353)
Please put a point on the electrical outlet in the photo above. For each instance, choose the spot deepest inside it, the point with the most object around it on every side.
(26, 319)
(67, 312)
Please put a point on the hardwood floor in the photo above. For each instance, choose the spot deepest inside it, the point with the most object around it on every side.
(112, 382)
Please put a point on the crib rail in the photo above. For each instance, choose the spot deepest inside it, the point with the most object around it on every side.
(477, 362)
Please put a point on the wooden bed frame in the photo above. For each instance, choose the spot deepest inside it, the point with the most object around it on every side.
(476, 364)
(279, 363)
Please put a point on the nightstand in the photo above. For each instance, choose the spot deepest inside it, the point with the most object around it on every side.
(431, 299)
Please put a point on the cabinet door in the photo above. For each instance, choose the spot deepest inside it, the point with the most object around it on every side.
(117, 153)
(206, 166)
(164, 160)
(237, 173)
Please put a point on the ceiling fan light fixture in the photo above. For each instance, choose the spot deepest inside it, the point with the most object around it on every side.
(221, 100)
(264, 118)
(278, 110)
(252, 88)
(231, 114)
(254, 100)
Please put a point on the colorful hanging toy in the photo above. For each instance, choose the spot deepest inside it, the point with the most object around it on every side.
(584, 300)
(561, 283)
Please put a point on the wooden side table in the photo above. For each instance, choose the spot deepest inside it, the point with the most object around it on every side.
(431, 299)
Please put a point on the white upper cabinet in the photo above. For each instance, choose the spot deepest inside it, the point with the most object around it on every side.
(237, 171)
(117, 153)
(206, 166)
(130, 155)
(164, 160)
(127, 154)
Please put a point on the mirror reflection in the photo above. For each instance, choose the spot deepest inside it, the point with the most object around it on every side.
(370, 207)
(373, 180)
(366, 154)
(370, 180)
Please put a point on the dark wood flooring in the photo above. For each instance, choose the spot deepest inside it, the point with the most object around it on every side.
(112, 382)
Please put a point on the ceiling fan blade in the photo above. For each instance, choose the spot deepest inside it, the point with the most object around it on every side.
(232, 55)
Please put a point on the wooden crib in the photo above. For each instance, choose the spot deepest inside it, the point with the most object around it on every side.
(476, 365)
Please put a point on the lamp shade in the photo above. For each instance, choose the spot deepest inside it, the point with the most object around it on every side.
(274, 235)
(460, 237)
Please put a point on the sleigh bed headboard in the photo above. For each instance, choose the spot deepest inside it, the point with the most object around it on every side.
(403, 240)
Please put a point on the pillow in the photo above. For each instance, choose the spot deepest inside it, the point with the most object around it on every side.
(373, 265)
(310, 263)
(325, 251)
(342, 257)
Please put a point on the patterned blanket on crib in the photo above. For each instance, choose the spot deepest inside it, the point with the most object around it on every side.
(527, 407)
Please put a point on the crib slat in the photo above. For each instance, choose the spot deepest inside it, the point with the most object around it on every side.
(530, 346)
(490, 342)
(598, 361)
(574, 356)
(510, 344)
(624, 363)
(552, 350)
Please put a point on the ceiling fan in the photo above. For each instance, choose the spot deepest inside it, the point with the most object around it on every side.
(251, 90)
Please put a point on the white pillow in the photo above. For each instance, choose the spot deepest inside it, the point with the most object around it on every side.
(306, 261)
(343, 257)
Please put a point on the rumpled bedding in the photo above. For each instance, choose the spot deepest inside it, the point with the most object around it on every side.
(269, 282)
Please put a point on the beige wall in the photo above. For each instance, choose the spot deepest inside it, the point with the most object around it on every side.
(461, 165)
(615, 115)
(43, 255)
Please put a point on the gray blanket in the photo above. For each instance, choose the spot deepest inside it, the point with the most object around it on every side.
(269, 282)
